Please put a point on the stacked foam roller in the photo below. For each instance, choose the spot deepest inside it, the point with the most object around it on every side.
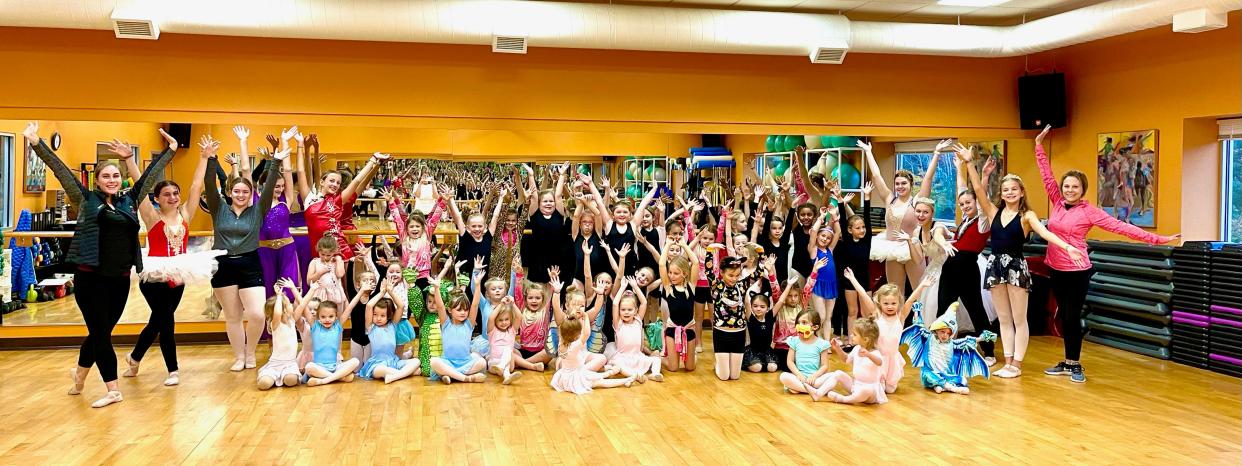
(1128, 301)
(1225, 330)
(1192, 270)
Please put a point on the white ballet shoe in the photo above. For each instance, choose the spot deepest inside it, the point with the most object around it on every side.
(316, 381)
(508, 379)
(133, 366)
(476, 378)
(539, 367)
(446, 380)
(238, 365)
(251, 362)
(656, 377)
(76, 389)
(110, 398)
(173, 379)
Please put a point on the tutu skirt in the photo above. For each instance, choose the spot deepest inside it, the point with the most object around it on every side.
(577, 381)
(405, 332)
(884, 250)
(188, 268)
(390, 360)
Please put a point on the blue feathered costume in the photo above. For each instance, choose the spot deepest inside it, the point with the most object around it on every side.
(944, 365)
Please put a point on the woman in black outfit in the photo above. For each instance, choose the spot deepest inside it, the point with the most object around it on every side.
(105, 217)
(548, 243)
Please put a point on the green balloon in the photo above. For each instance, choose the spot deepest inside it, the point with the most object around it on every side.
(584, 169)
(769, 144)
(793, 142)
(651, 171)
(849, 176)
(781, 168)
(780, 144)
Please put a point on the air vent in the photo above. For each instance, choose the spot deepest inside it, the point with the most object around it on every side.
(829, 55)
(508, 44)
(135, 29)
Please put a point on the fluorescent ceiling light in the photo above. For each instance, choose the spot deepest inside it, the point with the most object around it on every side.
(978, 3)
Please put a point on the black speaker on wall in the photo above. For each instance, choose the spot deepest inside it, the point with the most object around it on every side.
(180, 132)
(1041, 100)
(713, 140)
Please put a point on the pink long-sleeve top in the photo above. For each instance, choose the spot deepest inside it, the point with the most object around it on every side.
(417, 257)
(1073, 223)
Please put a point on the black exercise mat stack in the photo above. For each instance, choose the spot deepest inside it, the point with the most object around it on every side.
(1128, 301)
(1191, 302)
(1225, 331)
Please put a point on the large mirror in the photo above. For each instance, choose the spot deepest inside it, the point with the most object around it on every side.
(472, 163)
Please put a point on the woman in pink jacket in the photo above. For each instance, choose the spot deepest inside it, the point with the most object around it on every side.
(1071, 218)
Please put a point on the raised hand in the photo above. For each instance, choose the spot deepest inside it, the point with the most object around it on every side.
(271, 139)
(289, 133)
(866, 189)
(172, 142)
(847, 198)
(556, 283)
(928, 281)
(313, 140)
(625, 250)
(1039, 140)
(554, 271)
(944, 144)
(208, 146)
(242, 132)
(517, 262)
(848, 274)
(281, 155)
(865, 146)
(299, 138)
(989, 167)
(31, 132)
(479, 265)
(121, 149)
(232, 159)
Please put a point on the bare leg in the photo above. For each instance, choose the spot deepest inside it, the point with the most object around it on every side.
(1022, 332)
(612, 383)
(691, 359)
(266, 383)
(252, 300)
(290, 380)
(410, 368)
(595, 362)
(722, 366)
(895, 273)
(852, 306)
(231, 308)
(914, 273)
(820, 306)
(756, 367)
(671, 359)
(1004, 313)
(793, 384)
(735, 366)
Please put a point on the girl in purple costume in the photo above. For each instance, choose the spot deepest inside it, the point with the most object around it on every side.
(278, 253)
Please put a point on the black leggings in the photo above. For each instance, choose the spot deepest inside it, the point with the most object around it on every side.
(1070, 289)
(163, 301)
(960, 279)
(101, 300)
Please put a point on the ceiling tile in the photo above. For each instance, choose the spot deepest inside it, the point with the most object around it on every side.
(1000, 12)
(767, 3)
(1037, 3)
(830, 4)
(705, 2)
(944, 10)
(888, 7)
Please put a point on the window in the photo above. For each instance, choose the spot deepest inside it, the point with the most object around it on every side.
(7, 155)
(1231, 197)
(944, 185)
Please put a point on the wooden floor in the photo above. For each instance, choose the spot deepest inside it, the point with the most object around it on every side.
(1133, 410)
(194, 307)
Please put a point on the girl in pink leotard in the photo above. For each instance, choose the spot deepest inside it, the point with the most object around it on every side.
(867, 384)
(890, 321)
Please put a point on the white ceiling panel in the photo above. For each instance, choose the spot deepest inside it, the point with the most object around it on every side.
(830, 4)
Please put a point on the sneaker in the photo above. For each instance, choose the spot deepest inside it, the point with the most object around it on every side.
(1060, 369)
(1076, 374)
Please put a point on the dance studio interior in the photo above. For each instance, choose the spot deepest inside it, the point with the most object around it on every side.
(621, 232)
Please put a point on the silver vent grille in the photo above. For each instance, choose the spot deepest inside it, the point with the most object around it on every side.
(508, 44)
(829, 55)
(135, 29)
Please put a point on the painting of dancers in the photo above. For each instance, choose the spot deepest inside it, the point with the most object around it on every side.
(1127, 176)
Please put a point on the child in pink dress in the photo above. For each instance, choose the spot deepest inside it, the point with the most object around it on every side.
(571, 374)
(891, 320)
(867, 384)
(502, 331)
(328, 269)
(628, 307)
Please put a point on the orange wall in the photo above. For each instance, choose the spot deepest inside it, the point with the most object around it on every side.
(78, 139)
(335, 83)
(1154, 79)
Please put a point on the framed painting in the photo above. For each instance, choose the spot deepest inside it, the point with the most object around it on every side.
(995, 150)
(1126, 167)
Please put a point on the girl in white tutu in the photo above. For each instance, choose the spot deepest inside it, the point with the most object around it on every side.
(168, 265)
(899, 218)
(572, 375)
